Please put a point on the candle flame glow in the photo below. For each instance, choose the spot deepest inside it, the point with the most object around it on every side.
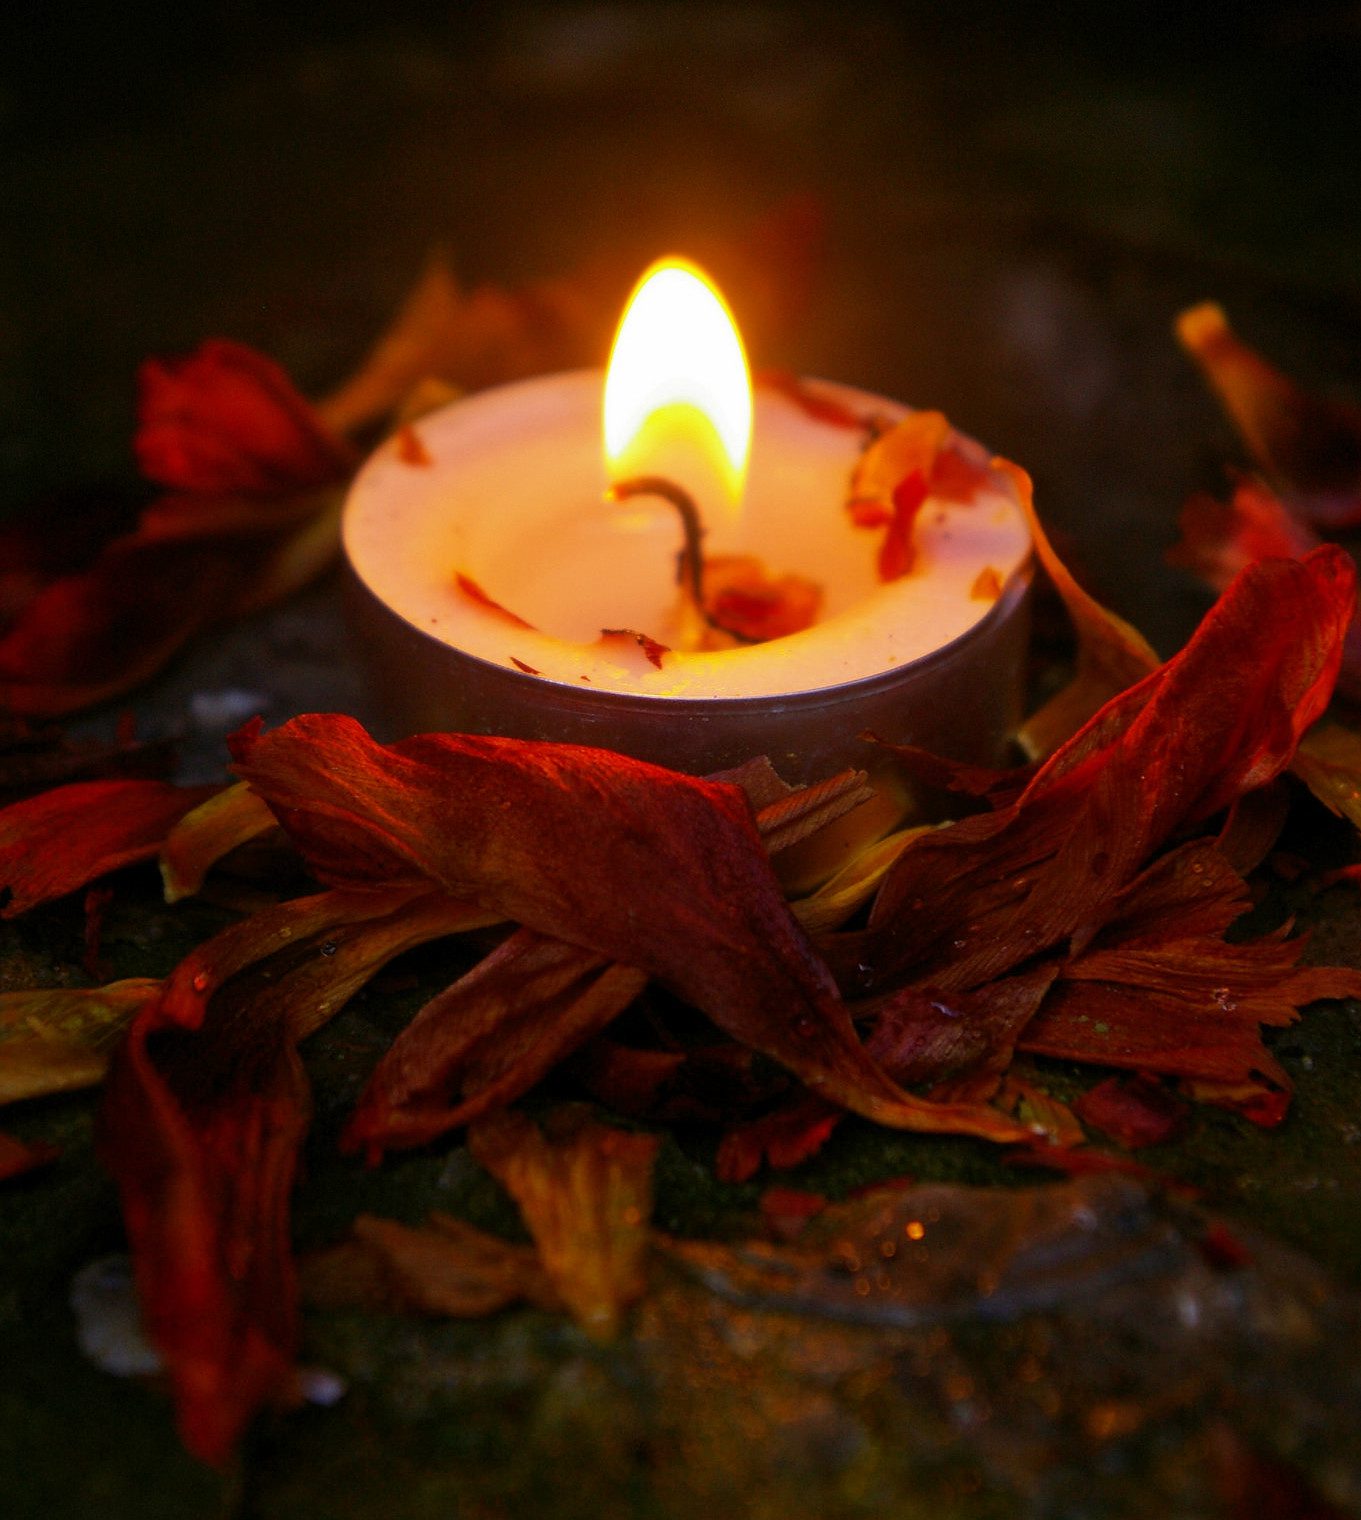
(678, 391)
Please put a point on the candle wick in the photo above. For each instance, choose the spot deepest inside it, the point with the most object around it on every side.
(690, 561)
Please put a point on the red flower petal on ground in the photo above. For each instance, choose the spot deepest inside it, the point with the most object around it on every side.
(643, 866)
(202, 1135)
(965, 904)
(205, 1107)
(64, 839)
(226, 421)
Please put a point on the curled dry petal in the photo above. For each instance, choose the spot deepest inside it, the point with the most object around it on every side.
(1111, 654)
(1159, 989)
(202, 1139)
(585, 1190)
(642, 866)
(1308, 446)
(205, 1107)
(1218, 539)
(919, 458)
(227, 421)
(489, 1038)
(446, 1268)
(60, 840)
(210, 831)
(965, 904)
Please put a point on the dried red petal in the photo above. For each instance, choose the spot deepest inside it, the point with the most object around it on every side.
(410, 449)
(203, 1142)
(744, 599)
(487, 1039)
(652, 648)
(639, 865)
(1219, 538)
(226, 421)
(192, 561)
(474, 592)
(964, 904)
(920, 457)
(1159, 989)
(785, 1138)
(64, 839)
(205, 1107)
(1133, 1111)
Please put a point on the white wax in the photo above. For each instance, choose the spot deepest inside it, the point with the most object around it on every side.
(512, 498)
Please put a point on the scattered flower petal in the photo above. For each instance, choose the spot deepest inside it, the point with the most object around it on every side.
(1308, 446)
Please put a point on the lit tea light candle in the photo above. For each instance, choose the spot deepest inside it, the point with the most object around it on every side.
(489, 563)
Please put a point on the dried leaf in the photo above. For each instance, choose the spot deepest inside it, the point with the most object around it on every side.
(445, 1269)
(1309, 447)
(585, 1190)
(58, 1039)
(642, 866)
(64, 839)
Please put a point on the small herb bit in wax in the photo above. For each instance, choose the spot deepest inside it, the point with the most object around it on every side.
(742, 598)
(469, 587)
(652, 648)
(529, 670)
(987, 586)
(921, 457)
(410, 449)
(747, 605)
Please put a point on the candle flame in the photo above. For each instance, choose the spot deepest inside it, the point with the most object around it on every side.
(678, 391)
